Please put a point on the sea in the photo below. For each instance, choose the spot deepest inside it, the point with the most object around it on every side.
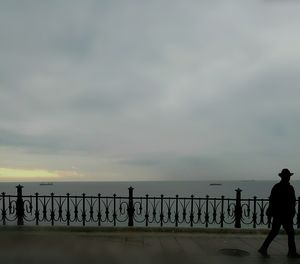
(252, 188)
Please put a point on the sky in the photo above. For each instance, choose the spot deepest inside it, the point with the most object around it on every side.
(149, 90)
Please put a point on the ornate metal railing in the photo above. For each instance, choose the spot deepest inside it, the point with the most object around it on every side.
(135, 211)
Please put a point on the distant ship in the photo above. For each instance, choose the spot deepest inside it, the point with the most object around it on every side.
(215, 184)
(46, 183)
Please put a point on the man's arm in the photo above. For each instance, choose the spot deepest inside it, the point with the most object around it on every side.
(293, 206)
(270, 209)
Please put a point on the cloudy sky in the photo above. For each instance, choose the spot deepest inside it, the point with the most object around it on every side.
(149, 90)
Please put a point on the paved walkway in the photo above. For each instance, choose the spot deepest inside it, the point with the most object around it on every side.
(44, 247)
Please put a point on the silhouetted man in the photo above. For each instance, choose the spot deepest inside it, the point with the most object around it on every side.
(282, 204)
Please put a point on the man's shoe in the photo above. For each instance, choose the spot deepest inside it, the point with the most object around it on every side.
(293, 255)
(263, 253)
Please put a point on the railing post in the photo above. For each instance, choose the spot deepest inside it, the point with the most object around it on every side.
(192, 211)
(20, 206)
(238, 209)
(206, 211)
(161, 215)
(254, 217)
(147, 210)
(52, 213)
(3, 209)
(222, 216)
(130, 207)
(68, 215)
(83, 215)
(176, 212)
(115, 212)
(99, 209)
(37, 212)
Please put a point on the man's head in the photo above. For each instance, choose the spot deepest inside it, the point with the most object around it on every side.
(285, 175)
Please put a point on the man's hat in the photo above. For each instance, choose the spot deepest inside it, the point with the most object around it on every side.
(285, 172)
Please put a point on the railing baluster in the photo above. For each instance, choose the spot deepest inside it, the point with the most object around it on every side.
(154, 209)
(10, 207)
(44, 209)
(169, 210)
(184, 210)
(199, 211)
(60, 210)
(261, 212)
(30, 204)
(91, 211)
(76, 210)
(215, 211)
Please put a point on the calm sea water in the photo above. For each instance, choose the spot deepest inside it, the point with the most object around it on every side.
(260, 189)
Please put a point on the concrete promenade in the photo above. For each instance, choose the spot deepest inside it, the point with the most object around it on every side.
(39, 245)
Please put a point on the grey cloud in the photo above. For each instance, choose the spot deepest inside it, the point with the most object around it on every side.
(29, 142)
(207, 82)
(102, 104)
(44, 144)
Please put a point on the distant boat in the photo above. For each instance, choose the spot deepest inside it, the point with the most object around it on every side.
(46, 183)
(215, 184)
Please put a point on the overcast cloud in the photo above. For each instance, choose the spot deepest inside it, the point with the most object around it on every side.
(135, 90)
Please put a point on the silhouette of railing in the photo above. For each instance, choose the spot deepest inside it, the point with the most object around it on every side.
(135, 211)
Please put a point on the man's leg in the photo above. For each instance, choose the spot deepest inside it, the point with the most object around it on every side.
(273, 233)
(289, 229)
